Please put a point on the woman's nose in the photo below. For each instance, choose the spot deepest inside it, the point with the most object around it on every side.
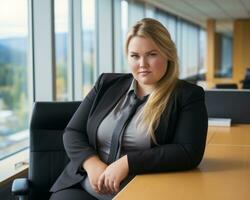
(143, 62)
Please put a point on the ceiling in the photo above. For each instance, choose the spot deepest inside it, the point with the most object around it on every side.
(198, 11)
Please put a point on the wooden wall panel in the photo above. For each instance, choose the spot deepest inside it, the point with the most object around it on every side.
(241, 48)
(211, 26)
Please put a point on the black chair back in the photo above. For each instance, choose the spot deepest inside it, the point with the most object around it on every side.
(232, 104)
(246, 81)
(47, 154)
(226, 86)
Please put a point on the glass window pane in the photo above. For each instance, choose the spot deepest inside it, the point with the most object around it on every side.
(226, 60)
(184, 49)
(14, 94)
(224, 68)
(150, 11)
(172, 27)
(61, 47)
(192, 50)
(89, 44)
(124, 27)
(189, 50)
(179, 47)
(202, 50)
(168, 21)
(162, 17)
(131, 12)
(136, 12)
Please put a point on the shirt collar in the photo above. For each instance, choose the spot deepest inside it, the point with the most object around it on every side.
(132, 89)
(133, 86)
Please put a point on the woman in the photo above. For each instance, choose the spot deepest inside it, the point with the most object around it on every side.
(111, 138)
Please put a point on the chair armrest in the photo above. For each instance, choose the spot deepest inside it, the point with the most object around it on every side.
(20, 187)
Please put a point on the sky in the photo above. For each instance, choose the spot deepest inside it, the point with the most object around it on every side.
(14, 17)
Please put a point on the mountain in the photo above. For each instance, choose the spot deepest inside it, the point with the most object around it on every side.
(13, 50)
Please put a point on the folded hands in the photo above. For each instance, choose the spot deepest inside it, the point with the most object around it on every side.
(106, 179)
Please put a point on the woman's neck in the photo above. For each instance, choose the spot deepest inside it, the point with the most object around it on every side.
(143, 90)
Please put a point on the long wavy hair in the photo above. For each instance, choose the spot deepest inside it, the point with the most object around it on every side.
(159, 98)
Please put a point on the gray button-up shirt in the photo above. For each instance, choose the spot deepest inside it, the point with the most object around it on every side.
(134, 138)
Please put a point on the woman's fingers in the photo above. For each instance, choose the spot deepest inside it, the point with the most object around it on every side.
(100, 182)
(106, 183)
(111, 185)
(116, 186)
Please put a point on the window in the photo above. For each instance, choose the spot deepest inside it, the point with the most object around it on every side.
(192, 50)
(14, 68)
(89, 44)
(168, 21)
(202, 50)
(150, 11)
(179, 46)
(224, 68)
(131, 12)
(188, 43)
(124, 30)
(136, 11)
(61, 48)
(172, 27)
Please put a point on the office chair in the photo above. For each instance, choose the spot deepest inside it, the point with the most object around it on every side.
(47, 155)
(226, 86)
(246, 81)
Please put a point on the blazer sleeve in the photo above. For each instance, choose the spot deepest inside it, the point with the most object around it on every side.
(187, 148)
(75, 137)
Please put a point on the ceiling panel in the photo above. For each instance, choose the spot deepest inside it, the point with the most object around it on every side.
(198, 11)
(178, 8)
(232, 8)
(246, 4)
(219, 9)
(208, 8)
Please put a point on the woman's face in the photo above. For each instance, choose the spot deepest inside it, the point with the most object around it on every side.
(146, 63)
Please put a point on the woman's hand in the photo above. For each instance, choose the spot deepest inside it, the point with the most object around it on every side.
(94, 167)
(113, 175)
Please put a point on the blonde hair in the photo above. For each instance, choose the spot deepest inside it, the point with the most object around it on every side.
(159, 98)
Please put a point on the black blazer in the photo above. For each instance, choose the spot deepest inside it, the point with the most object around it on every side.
(181, 133)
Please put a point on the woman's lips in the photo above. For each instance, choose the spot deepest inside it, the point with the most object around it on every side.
(144, 73)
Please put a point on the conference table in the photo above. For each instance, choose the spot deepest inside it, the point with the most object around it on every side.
(224, 172)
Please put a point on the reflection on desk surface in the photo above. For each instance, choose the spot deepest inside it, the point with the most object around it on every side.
(224, 172)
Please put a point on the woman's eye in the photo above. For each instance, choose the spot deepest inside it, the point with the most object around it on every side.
(153, 54)
(134, 56)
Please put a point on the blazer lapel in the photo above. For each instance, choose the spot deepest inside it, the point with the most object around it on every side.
(105, 104)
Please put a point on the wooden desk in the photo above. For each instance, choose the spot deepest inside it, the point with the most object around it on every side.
(233, 136)
(224, 172)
